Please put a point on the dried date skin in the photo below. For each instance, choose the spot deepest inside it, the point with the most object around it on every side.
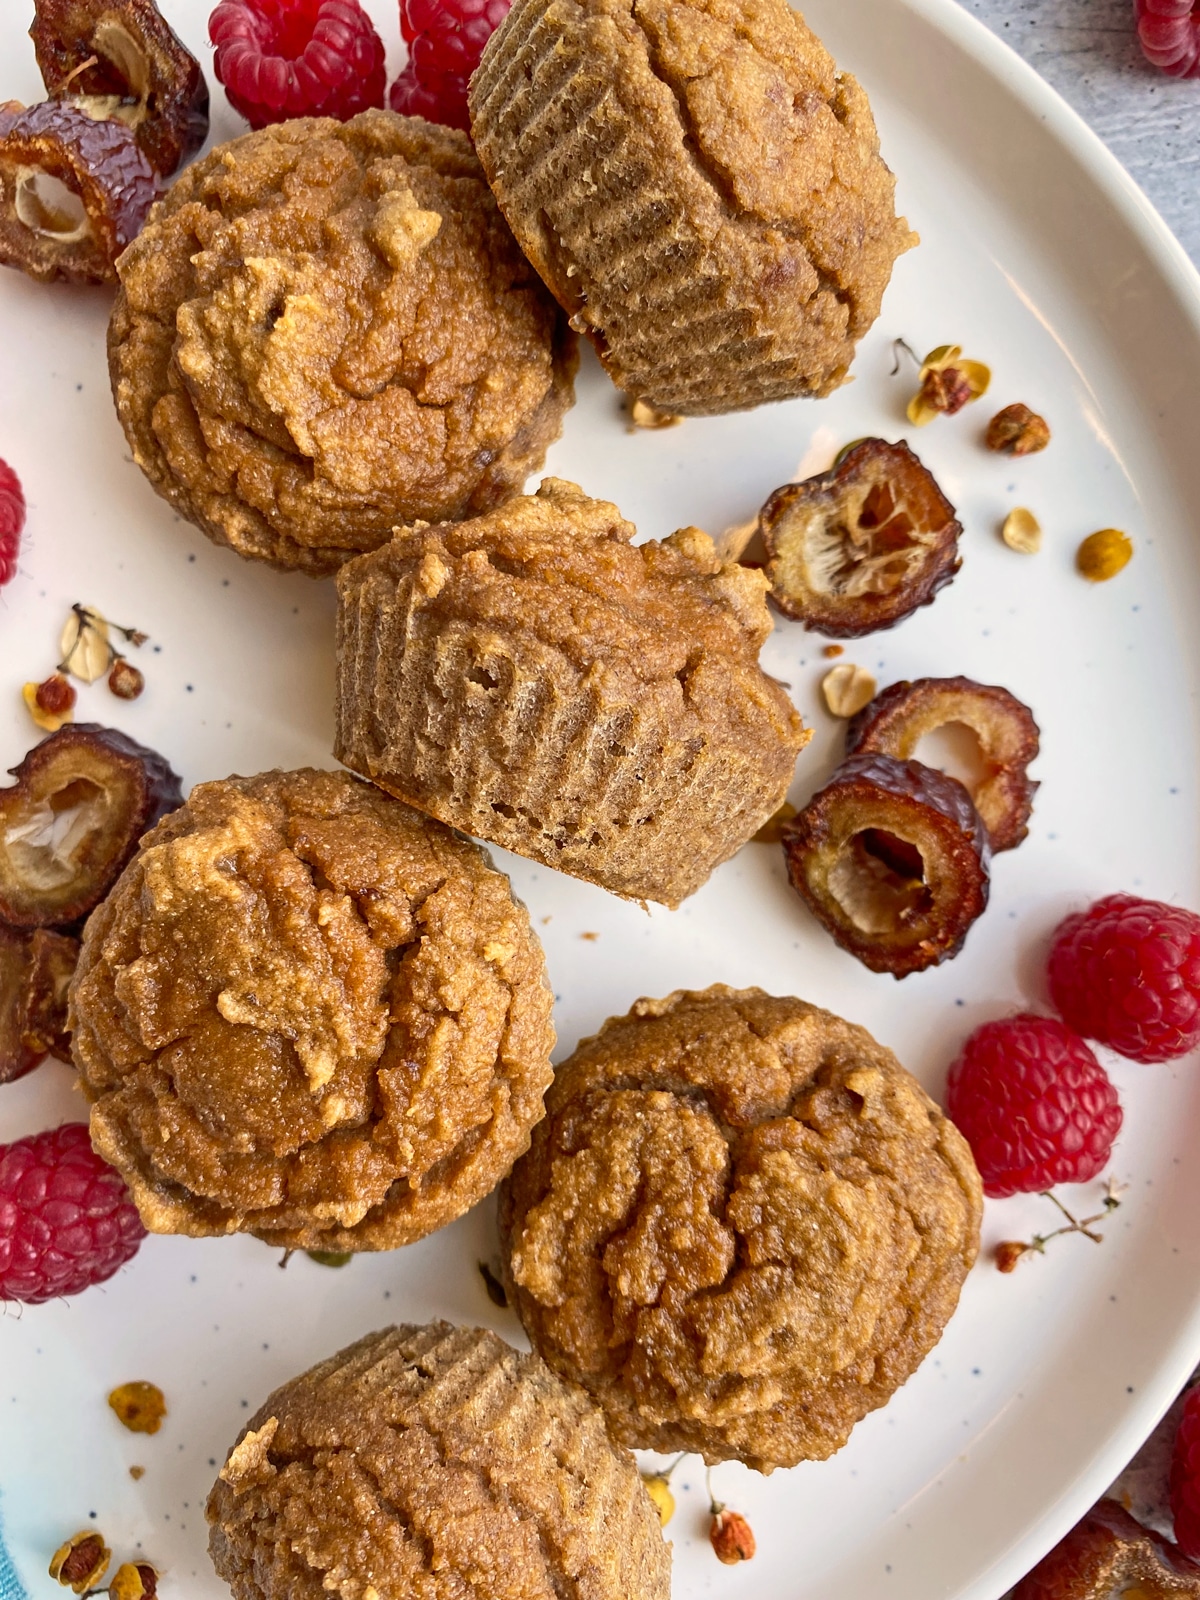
(35, 971)
(69, 825)
(899, 717)
(862, 546)
(891, 857)
(1108, 1553)
(110, 189)
(143, 75)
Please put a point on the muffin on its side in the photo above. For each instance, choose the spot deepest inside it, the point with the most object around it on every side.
(327, 328)
(741, 1226)
(698, 185)
(433, 1461)
(536, 680)
(309, 1013)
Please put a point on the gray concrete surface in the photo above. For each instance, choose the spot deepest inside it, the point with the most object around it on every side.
(1088, 50)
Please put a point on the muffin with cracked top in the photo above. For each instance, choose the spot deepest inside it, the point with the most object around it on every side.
(741, 1226)
(309, 1013)
(326, 329)
(433, 1461)
(699, 186)
(536, 679)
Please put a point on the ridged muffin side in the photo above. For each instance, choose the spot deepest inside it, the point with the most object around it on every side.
(699, 187)
(533, 678)
(438, 1462)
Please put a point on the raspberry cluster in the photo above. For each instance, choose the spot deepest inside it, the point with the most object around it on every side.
(1033, 1102)
(296, 58)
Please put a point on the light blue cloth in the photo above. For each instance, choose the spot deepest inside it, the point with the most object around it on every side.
(11, 1587)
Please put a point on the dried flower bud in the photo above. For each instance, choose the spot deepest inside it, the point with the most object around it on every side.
(125, 681)
(133, 1581)
(81, 1562)
(1008, 1253)
(86, 652)
(141, 1407)
(847, 689)
(948, 383)
(659, 1491)
(771, 831)
(1017, 431)
(1022, 531)
(1102, 555)
(330, 1258)
(643, 415)
(731, 1537)
(51, 703)
(832, 651)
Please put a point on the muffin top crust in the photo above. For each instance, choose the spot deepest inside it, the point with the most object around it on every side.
(741, 1225)
(310, 1013)
(326, 329)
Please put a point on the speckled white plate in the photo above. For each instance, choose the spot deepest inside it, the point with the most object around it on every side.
(1038, 256)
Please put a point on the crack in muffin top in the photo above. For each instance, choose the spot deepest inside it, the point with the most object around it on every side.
(741, 1226)
(310, 1013)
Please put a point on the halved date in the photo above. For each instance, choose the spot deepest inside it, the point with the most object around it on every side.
(73, 193)
(121, 59)
(891, 857)
(899, 717)
(860, 547)
(35, 973)
(68, 826)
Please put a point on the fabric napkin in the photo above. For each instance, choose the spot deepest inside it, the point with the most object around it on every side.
(11, 1587)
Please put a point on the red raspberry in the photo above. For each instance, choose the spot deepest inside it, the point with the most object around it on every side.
(1185, 1477)
(1034, 1104)
(297, 58)
(12, 520)
(445, 40)
(1126, 972)
(1169, 31)
(66, 1219)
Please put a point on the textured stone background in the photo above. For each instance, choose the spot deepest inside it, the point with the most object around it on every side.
(1088, 50)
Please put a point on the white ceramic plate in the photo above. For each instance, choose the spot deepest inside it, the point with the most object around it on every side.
(1038, 256)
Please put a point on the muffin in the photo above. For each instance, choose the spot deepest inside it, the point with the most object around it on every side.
(535, 679)
(433, 1461)
(741, 1226)
(309, 1013)
(326, 329)
(700, 187)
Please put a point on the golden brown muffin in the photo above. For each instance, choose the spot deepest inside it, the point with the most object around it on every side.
(435, 1462)
(325, 329)
(741, 1226)
(698, 185)
(537, 680)
(309, 1013)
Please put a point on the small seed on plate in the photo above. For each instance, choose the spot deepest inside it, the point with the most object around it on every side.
(1022, 531)
(847, 689)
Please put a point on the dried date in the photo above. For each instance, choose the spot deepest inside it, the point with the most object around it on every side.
(121, 59)
(891, 857)
(68, 826)
(860, 547)
(73, 193)
(896, 720)
(35, 972)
